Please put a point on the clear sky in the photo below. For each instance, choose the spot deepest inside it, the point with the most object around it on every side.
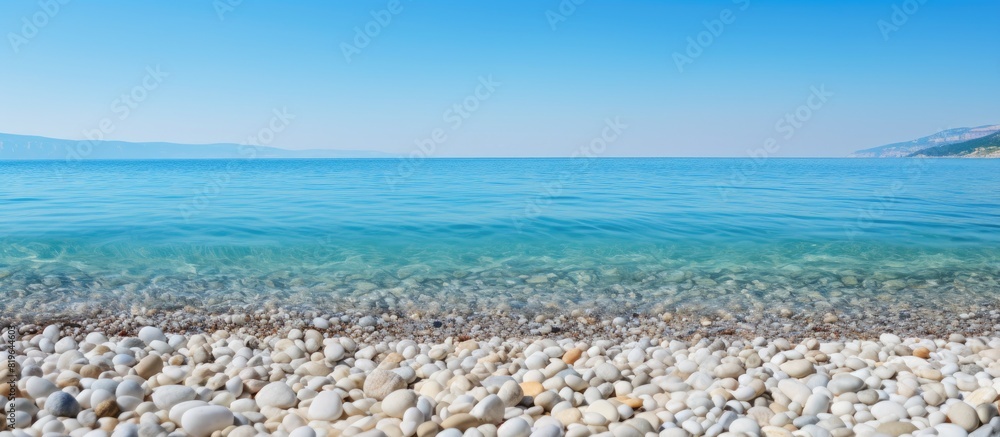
(531, 78)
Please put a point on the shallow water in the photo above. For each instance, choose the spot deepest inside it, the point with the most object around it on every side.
(619, 235)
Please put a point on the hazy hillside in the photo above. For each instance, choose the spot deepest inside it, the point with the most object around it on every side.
(985, 147)
(943, 138)
(24, 147)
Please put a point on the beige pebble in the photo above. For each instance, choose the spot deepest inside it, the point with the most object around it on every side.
(461, 421)
(532, 388)
(572, 355)
(107, 408)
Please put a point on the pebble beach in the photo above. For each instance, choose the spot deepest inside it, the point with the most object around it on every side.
(305, 375)
(309, 298)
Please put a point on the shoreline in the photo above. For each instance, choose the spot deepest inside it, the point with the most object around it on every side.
(305, 383)
(823, 323)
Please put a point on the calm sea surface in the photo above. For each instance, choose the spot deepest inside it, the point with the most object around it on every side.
(617, 234)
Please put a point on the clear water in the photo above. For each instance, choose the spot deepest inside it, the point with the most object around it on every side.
(622, 235)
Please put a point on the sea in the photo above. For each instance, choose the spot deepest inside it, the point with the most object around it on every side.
(613, 236)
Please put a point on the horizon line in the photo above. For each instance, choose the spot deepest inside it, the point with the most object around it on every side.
(372, 158)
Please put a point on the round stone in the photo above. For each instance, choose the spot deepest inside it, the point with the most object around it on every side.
(177, 411)
(516, 427)
(126, 430)
(65, 344)
(950, 430)
(276, 394)
(38, 387)
(149, 334)
(962, 414)
(326, 406)
(845, 383)
(594, 419)
(128, 403)
(537, 360)
(510, 393)
(888, 410)
(745, 393)
(129, 387)
(461, 422)
(985, 395)
(380, 383)
(303, 431)
(817, 403)
(728, 370)
(396, 404)
(531, 388)
(896, 428)
(321, 323)
(62, 404)
(107, 408)
(636, 356)
(745, 426)
(202, 421)
(489, 410)
(606, 409)
(798, 368)
(608, 372)
(572, 355)
(149, 366)
(334, 352)
(167, 396)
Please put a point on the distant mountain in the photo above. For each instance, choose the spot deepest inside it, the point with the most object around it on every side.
(943, 138)
(985, 147)
(24, 147)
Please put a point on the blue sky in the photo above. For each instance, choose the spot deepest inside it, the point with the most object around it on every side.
(530, 78)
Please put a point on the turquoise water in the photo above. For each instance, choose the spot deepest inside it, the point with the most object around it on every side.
(620, 235)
